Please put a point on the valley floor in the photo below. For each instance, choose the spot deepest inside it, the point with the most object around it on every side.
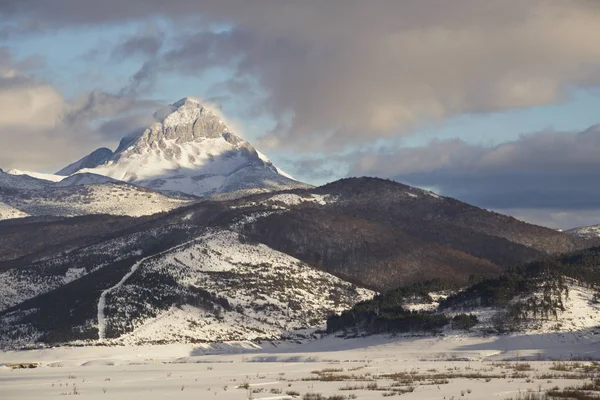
(459, 367)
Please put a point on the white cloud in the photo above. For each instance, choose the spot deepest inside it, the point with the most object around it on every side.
(40, 130)
(336, 72)
(28, 104)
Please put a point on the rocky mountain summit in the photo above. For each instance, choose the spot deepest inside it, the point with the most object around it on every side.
(188, 149)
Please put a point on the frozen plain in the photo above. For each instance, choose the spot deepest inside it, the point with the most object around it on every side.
(459, 367)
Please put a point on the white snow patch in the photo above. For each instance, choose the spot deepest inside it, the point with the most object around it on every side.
(592, 231)
(37, 175)
(74, 273)
(102, 300)
(8, 212)
(291, 199)
(269, 293)
(108, 198)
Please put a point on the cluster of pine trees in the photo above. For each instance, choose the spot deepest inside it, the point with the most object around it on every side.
(386, 312)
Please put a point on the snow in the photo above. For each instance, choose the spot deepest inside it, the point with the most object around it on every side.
(84, 179)
(592, 231)
(191, 150)
(75, 199)
(24, 182)
(185, 112)
(270, 294)
(93, 159)
(37, 175)
(294, 199)
(19, 285)
(8, 212)
(74, 273)
(580, 317)
(283, 201)
(102, 300)
(582, 312)
(473, 368)
(201, 167)
(79, 194)
(268, 161)
(420, 306)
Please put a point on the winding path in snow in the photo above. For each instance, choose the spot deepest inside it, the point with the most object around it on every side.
(134, 267)
(102, 300)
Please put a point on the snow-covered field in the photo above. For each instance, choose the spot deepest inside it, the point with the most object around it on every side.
(364, 368)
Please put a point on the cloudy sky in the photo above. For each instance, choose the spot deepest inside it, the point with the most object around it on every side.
(493, 102)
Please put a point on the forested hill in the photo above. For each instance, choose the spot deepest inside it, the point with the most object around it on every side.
(530, 293)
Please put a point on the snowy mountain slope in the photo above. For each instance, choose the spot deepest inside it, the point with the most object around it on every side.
(227, 290)
(573, 309)
(579, 311)
(191, 150)
(592, 231)
(18, 181)
(385, 234)
(256, 281)
(217, 285)
(8, 212)
(78, 194)
(232, 262)
(557, 294)
(37, 175)
(92, 160)
(36, 180)
(84, 179)
(31, 279)
(82, 199)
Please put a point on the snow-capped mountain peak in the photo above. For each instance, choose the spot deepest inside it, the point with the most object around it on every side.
(188, 111)
(190, 149)
(186, 120)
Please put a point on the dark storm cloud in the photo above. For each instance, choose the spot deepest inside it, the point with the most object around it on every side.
(98, 104)
(548, 170)
(139, 45)
(142, 81)
(121, 126)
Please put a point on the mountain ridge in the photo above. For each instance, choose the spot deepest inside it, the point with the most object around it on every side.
(92, 160)
(588, 232)
(23, 196)
(336, 231)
